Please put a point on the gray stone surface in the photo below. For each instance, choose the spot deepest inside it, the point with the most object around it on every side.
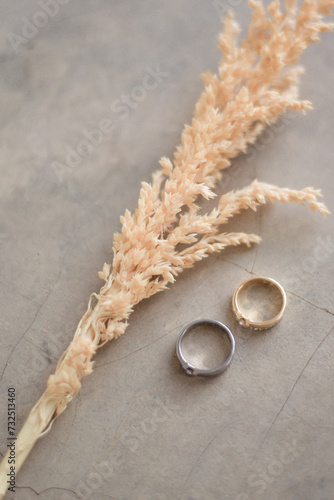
(140, 429)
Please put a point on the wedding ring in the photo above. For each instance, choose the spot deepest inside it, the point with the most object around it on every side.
(188, 367)
(259, 303)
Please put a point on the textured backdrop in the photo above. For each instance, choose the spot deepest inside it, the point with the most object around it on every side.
(92, 95)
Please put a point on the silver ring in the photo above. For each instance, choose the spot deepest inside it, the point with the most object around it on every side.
(188, 367)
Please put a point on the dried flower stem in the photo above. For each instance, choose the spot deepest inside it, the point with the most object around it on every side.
(167, 233)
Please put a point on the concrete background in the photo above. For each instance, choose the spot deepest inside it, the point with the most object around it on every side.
(140, 429)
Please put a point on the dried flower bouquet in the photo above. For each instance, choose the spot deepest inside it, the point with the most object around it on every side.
(256, 82)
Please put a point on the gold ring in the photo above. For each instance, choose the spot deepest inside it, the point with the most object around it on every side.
(259, 303)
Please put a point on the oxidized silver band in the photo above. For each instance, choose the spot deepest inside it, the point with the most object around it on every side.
(192, 370)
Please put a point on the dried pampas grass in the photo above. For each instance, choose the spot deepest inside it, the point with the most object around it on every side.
(256, 82)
